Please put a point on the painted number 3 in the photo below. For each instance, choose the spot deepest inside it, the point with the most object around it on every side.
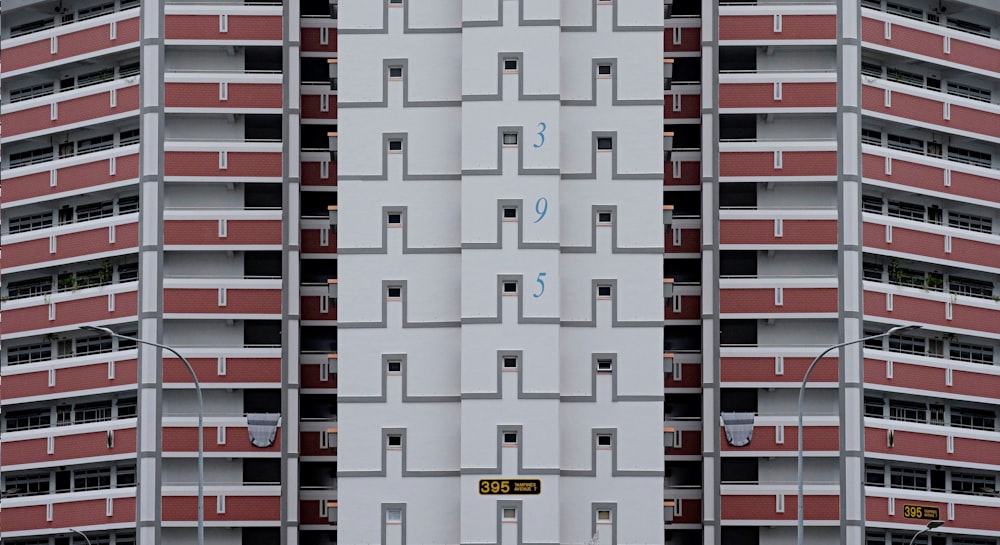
(541, 285)
(541, 135)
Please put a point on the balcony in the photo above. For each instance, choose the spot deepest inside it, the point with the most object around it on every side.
(214, 297)
(821, 504)
(193, 230)
(69, 309)
(221, 91)
(775, 366)
(932, 243)
(71, 109)
(222, 367)
(799, 297)
(224, 436)
(319, 34)
(92, 239)
(777, 435)
(47, 45)
(948, 179)
(763, 160)
(813, 23)
(934, 108)
(929, 42)
(682, 36)
(251, 24)
(885, 506)
(193, 160)
(50, 179)
(779, 229)
(246, 504)
(52, 445)
(78, 375)
(925, 372)
(75, 510)
(756, 92)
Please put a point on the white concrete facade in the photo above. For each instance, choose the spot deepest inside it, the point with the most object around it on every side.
(500, 166)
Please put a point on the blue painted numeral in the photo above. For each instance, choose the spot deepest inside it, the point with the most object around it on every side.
(541, 134)
(541, 285)
(541, 207)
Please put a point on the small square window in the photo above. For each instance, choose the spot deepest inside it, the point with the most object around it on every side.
(395, 366)
(604, 143)
(394, 292)
(395, 71)
(510, 213)
(395, 440)
(510, 64)
(604, 291)
(604, 217)
(510, 287)
(604, 440)
(509, 513)
(395, 145)
(510, 362)
(510, 438)
(394, 218)
(604, 366)
(395, 1)
(510, 138)
(604, 69)
(394, 515)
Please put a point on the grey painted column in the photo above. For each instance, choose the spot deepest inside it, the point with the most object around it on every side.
(710, 366)
(149, 438)
(291, 253)
(849, 260)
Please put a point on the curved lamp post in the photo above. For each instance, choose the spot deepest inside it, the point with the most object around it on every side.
(201, 418)
(930, 526)
(802, 395)
(84, 536)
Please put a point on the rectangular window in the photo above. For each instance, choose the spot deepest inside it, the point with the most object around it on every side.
(969, 91)
(510, 213)
(394, 218)
(128, 205)
(31, 157)
(509, 513)
(969, 27)
(907, 411)
(27, 485)
(394, 292)
(904, 11)
(93, 211)
(970, 287)
(125, 477)
(394, 516)
(870, 69)
(873, 271)
(970, 222)
(873, 137)
(510, 138)
(510, 362)
(874, 475)
(26, 93)
(128, 272)
(902, 143)
(603, 515)
(29, 288)
(972, 483)
(510, 438)
(973, 353)
(870, 203)
(510, 287)
(604, 69)
(395, 71)
(33, 222)
(906, 344)
(92, 412)
(28, 420)
(604, 143)
(904, 77)
(905, 210)
(604, 291)
(91, 479)
(93, 345)
(908, 478)
(97, 143)
(604, 440)
(394, 366)
(127, 408)
(29, 353)
(394, 440)
(604, 217)
(976, 419)
(510, 64)
(970, 157)
(604, 366)
(395, 145)
(875, 407)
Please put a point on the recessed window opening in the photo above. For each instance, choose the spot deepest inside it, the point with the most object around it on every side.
(394, 292)
(604, 291)
(395, 145)
(394, 516)
(510, 138)
(604, 217)
(510, 438)
(395, 71)
(510, 65)
(604, 366)
(510, 362)
(394, 218)
(603, 69)
(603, 515)
(510, 287)
(510, 213)
(395, 366)
(394, 440)
(509, 513)
(604, 440)
(604, 143)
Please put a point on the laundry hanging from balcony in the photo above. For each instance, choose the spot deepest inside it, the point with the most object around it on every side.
(739, 428)
(263, 427)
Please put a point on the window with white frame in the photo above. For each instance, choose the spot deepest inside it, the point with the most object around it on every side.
(973, 353)
(908, 478)
(976, 419)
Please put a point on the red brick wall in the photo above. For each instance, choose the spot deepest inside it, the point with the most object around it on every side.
(978, 517)
(690, 241)
(207, 232)
(762, 369)
(68, 178)
(310, 41)
(311, 245)
(814, 438)
(311, 175)
(238, 508)
(206, 95)
(762, 232)
(69, 514)
(68, 379)
(69, 313)
(690, 108)
(71, 44)
(70, 245)
(311, 107)
(237, 370)
(690, 40)
(690, 173)
(238, 301)
(932, 45)
(309, 377)
(242, 164)
(761, 507)
(67, 447)
(931, 111)
(310, 445)
(793, 95)
(690, 377)
(690, 444)
(793, 27)
(206, 27)
(794, 163)
(310, 309)
(237, 440)
(70, 111)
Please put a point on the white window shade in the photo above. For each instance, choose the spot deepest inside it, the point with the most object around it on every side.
(739, 428)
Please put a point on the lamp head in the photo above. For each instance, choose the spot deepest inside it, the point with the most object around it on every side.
(935, 524)
(96, 328)
(901, 328)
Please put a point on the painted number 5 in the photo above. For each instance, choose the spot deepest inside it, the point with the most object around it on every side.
(541, 207)
(541, 134)
(541, 285)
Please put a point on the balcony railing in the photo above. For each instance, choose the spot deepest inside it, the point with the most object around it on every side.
(71, 17)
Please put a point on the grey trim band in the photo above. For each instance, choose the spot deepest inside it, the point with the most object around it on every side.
(521, 470)
(521, 394)
(521, 319)
(615, 397)
(406, 24)
(615, 175)
(615, 249)
(403, 212)
(517, 505)
(615, 472)
(613, 61)
(384, 322)
(521, 244)
(521, 171)
(384, 176)
(521, 21)
(502, 56)
(406, 398)
(407, 103)
(614, 309)
(386, 432)
(614, 23)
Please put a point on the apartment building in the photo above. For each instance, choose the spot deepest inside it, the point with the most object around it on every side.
(170, 172)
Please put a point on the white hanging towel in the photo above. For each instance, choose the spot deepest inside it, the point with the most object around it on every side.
(739, 428)
(263, 427)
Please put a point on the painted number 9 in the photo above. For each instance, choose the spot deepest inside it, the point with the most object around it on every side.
(541, 207)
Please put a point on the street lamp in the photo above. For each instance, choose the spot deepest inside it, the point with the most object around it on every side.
(201, 418)
(930, 526)
(87, 539)
(802, 395)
